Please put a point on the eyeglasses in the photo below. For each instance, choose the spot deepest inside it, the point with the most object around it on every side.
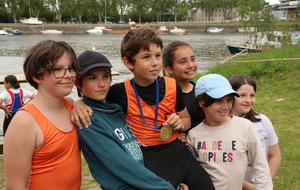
(60, 72)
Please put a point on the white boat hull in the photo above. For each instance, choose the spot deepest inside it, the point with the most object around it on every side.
(52, 31)
(3, 32)
(32, 20)
(177, 30)
(214, 30)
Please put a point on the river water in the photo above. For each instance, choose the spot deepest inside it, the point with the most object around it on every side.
(209, 50)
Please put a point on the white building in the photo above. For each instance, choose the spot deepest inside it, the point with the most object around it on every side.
(285, 10)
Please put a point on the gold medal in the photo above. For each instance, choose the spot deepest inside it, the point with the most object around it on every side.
(165, 133)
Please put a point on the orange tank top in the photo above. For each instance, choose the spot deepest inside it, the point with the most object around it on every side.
(146, 135)
(57, 164)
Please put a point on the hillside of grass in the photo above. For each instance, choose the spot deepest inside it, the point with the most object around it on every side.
(275, 79)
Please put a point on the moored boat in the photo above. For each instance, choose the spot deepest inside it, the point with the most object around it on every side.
(177, 30)
(3, 32)
(13, 32)
(96, 30)
(214, 29)
(52, 31)
(162, 29)
(32, 21)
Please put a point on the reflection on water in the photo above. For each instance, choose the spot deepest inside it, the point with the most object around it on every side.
(209, 49)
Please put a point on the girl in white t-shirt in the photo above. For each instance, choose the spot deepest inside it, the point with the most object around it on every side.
(12, 99)
(242, 107)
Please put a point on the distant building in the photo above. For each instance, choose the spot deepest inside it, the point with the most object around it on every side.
(202, 16)
(285, 10)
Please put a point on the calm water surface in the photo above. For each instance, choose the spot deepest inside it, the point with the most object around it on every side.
(209, 50)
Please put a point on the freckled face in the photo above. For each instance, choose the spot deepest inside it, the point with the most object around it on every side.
(244, 103)
(185, 65)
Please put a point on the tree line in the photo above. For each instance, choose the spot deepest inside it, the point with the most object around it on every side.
(94, 11)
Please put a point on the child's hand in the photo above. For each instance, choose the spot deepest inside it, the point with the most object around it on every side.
(81, 112)
(182, 137)
(7, 113)
(174, 122)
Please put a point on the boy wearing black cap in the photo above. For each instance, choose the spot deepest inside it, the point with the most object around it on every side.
(109, 147)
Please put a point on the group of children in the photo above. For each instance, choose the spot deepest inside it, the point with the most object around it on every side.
(132, 130)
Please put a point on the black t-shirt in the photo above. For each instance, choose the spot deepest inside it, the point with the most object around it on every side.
(118, 95)
(189, 99)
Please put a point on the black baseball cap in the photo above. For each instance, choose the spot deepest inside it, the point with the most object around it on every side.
(91, 59)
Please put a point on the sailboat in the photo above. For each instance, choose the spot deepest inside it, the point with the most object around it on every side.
(31, 20)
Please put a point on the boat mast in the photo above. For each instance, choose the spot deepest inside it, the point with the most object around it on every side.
(105, 11)
(29, 10)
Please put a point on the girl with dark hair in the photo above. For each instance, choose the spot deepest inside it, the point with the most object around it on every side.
(242, 107)
(12, 99)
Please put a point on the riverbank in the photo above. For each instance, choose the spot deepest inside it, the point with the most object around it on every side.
(122, 28)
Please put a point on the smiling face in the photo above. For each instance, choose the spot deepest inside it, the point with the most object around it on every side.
(244, 103)
(147, 66)
(58, 87)
(217, 113)
(95, 83)
(185, 65)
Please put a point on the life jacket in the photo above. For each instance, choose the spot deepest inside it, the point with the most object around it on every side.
(16, 101)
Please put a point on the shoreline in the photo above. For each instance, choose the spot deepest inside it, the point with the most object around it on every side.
(121, 28)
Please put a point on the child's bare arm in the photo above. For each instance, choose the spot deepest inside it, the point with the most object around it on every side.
(81, 112)
(21, 140)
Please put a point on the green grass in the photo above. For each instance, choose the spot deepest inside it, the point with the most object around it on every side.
(276, 79)
(87, 183)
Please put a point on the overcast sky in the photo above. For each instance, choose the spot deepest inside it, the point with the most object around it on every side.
(273, 2)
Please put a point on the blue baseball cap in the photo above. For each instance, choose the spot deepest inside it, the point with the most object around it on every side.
(214, 85)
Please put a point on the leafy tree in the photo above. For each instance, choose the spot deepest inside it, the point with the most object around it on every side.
(122, 6)
(100, 8)
(193, 6)
(60, 6)
(13, 6)
(227, 7)
(157, 7)
(140, 6)
(36, 7)
(210, 6)
(79, 7)
(4, 16)
(258, 15)
(297, 12)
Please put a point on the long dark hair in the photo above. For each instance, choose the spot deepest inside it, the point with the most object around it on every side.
(236, 82)
(12, 79)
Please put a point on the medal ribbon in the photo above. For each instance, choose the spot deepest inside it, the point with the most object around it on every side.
(156, 103)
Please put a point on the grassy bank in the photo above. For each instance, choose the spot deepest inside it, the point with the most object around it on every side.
(276, 79)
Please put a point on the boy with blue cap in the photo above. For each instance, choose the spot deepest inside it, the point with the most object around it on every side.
(223, 143)
(108, 145)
